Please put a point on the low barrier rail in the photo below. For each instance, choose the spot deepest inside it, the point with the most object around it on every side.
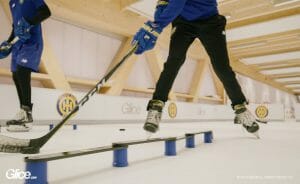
(37, 165)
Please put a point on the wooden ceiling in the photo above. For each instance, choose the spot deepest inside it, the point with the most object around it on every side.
(111, 16)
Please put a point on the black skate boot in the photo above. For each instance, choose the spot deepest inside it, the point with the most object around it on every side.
(154, 109)
(22, 121)
(243, 116)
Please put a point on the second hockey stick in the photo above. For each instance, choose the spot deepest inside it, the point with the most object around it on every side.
(32, 146)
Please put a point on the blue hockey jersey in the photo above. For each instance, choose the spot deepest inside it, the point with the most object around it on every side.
(188, 9)
(27, 9)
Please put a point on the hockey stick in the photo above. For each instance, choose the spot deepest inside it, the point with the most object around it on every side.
(32, 146)
(10, 44)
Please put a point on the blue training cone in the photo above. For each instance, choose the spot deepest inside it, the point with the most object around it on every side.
(36, 173)
(120, 157)
(170, 147)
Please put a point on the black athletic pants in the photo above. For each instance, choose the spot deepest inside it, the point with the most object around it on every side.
(22, 80)
(211, 33)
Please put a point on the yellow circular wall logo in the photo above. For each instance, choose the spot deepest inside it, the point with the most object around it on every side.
(172, 109)
(66, 103)
(261, 111)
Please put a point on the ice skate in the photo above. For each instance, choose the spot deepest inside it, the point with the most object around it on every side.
(154, 108)
(22, 122)
(243, 116)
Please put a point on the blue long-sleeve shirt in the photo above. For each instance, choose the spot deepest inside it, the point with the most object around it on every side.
(187, 9)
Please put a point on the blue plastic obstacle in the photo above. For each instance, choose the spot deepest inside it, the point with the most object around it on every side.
(51, 126)
(37, 165)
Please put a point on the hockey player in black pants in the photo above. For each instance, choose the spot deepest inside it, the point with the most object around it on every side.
(26, 55)
(191, 19)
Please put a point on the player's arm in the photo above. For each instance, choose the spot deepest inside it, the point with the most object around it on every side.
(167, 10)
(42, 13)
(5, 47)
(25, 24)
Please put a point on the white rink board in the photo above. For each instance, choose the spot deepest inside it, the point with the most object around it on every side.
(102, 108)
(297, 112)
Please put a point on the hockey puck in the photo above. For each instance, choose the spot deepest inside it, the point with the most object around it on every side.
(122, 129)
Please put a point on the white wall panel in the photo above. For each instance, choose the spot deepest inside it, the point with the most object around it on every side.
(184, 78)
(88, 56)
(106, 109)
(140, 75)
(185, 75)
(81, 53)
(72, 47)
(297, 112)
(208, 87)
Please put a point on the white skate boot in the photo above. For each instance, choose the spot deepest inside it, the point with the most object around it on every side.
(22, 121)
(244, 116)
(154, 108)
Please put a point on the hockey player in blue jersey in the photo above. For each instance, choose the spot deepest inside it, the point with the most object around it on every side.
(191, 19)
(27, 16)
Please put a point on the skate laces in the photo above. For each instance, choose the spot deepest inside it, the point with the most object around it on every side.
(154, 116)
(246, 118)
(21, 115)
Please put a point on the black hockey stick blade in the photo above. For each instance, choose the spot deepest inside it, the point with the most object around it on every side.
(13, 145)
(32, 146)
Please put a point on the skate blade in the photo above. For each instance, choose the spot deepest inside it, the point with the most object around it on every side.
(17, 128)
(148, 135)
(256, 134)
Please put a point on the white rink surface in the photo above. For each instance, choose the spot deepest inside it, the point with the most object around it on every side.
(235, 157)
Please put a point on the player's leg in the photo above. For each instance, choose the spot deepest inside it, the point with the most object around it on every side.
(181, 39)
(18, 88)
(25, 60)
(23, 120)
(212, 35)
(19, 114)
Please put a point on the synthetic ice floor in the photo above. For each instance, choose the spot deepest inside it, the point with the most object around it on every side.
(235, 157)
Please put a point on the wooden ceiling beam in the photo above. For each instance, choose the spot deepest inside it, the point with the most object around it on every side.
(119, 79)
(272, 50)
(280, 66)
(96, 15)
(254, 74)
(264, 38)
(264, 17)
(288, 75)
(248, 12)
(291, 82)
(125, 3)
(277, 63)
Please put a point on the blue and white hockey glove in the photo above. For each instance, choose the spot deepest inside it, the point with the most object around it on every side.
(160, 6)
(146, 37)
(5, 49)
(22, 30)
